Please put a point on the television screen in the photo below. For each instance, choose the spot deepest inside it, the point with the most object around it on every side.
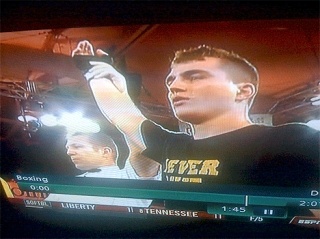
(203, 121)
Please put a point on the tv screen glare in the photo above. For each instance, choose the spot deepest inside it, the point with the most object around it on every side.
(214, 121)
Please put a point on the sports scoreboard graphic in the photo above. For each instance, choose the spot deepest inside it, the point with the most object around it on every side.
(34, 192)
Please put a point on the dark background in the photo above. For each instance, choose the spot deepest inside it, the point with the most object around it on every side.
(28, 15)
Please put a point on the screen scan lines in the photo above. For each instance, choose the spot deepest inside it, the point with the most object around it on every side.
(180, 166)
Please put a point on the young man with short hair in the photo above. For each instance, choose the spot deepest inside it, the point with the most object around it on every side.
(212, 90)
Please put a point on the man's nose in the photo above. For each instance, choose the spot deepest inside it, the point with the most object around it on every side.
(70, 151)
(177, 85)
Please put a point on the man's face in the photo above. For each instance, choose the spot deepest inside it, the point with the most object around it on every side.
(84, 154)
(200, 90)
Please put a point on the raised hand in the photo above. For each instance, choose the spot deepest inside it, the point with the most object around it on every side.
(84, 48)
(101, 70)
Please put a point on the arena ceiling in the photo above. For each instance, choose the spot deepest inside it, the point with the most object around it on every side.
(37, 64)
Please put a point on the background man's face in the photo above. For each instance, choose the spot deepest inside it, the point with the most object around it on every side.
(84, 154)
(200, 90)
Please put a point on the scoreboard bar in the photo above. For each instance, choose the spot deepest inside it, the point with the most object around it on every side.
(245, 200)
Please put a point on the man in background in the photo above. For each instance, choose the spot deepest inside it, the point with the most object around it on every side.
(96, 153)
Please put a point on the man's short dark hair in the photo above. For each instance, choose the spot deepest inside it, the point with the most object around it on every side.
(99, 140)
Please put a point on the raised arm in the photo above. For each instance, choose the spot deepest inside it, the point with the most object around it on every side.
(110, 92)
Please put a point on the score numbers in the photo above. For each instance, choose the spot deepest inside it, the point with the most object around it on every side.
(40, 188)
(309, 203)
(235, 209)
(232, 210)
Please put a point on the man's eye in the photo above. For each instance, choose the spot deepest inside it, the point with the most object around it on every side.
(196, 77)
(169, 80)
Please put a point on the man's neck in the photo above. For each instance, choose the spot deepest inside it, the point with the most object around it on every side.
(218, 126)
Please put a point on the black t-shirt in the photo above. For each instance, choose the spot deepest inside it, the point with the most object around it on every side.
(285, 155)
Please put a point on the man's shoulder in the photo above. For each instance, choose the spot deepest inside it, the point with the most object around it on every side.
(150, 129)
(286, 134)
(103, 172)
(293, 139)
(290, 128)
(299, 130)
(295, 126)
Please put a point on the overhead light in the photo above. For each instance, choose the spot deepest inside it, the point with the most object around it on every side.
(75, 122)
(29, 111)
(27, 118)
(315, 100)
(32, 126)
(31, 123)
(49, 120)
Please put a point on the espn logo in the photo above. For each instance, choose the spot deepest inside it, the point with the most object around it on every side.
(308, 222)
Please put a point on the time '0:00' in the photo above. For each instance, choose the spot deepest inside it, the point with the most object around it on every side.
(40, 188)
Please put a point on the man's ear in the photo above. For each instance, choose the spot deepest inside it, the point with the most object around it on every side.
(245, 91)
(107, 150)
